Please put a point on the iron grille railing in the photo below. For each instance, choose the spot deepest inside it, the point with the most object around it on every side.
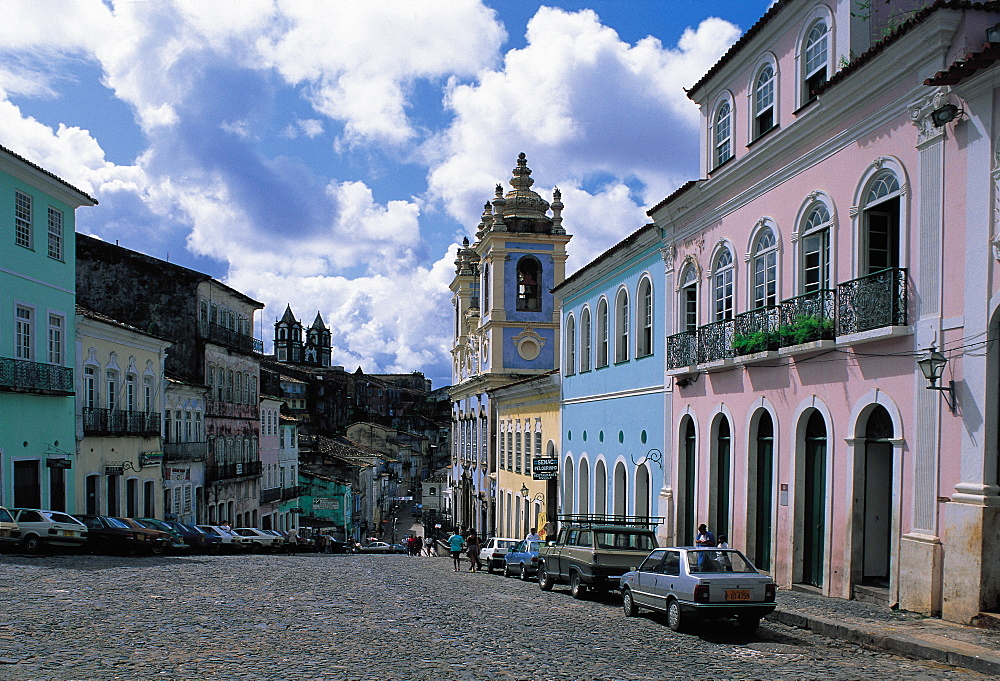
(269, 495)
(231, 410)
(233, 470)
(872, 302)
(20, 374)
(715, 341)
(98, 421)
(807, 318)
(757, 330)
(291, 492)
(682, 349)
(185, 451)
(230, 338)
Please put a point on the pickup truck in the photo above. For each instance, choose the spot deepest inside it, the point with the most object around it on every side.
(594, 551)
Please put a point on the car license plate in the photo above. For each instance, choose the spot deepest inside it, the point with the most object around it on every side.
(737, 594)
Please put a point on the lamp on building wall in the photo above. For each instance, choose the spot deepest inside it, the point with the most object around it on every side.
(993, 34)
(932, 367)
(525, 492)
(945, 114)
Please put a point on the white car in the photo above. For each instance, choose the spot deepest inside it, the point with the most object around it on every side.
(10, 533)
(40, 528)
(230, 540)
(493, 551)
(259, 540)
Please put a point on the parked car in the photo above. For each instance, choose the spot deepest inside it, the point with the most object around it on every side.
(522, 559)
(593, 551)
(10, 534)
(492, 553)
(229, 540)
(196, 539)
(282, 538)
(41, 528)
(159, 540)
(110, 535)
(258, 541)
(177, 543)
(383, 547)
(690, 583)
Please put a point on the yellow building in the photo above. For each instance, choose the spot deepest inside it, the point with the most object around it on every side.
(527, 418)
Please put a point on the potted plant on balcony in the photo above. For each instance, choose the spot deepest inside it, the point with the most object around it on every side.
(755, 341)
(806, 329)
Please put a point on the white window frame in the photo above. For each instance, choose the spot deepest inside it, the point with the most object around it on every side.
(603, 333)
(811, 228)
(570, 345)
(723, 288)
(622, 322)
(763, 98)
(763, 258)
(56, 339)
(55, 246)
(688, 318)
(24, 334)
(23, 217)
(722, 133)
(644, 319)
(585, 340)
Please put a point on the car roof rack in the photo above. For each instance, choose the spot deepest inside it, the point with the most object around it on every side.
(592, 519)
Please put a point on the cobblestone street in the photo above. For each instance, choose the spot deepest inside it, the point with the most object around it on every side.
(369, 617)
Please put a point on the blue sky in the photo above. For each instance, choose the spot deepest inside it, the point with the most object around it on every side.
(331, 154)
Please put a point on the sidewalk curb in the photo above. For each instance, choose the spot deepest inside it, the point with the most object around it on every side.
(967, 656)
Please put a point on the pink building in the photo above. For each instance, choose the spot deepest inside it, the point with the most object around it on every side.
(844, 229)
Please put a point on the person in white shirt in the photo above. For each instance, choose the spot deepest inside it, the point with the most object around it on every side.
(532, 535)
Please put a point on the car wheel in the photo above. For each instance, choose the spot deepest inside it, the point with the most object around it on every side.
(506, 569)
(489, 566)
(577, 588)
(258, 547)
(524, 573)
(31, 544)
(158, 549)
(628, 603)
(675, 620)
(545, 582)
(748, 623)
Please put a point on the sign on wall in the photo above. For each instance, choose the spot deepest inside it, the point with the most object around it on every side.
(545, 469)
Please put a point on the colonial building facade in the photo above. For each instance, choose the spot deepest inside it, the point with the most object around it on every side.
(506, 327)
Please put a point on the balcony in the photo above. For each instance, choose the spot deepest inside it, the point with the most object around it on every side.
(185, 451)
(231, 410)
(268, 496)
(291, 492)
(229, 338)
(860, 310)
(875, 301)
(232, 470)
(20, 375)
(120, 422)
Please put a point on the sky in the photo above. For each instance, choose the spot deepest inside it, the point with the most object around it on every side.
(332, 154)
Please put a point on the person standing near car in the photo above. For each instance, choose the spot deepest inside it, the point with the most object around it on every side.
(533, 535)
(472, 550)
(293, 540)
(455, 545)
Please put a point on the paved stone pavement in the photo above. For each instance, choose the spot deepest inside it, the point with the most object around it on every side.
(369, 617)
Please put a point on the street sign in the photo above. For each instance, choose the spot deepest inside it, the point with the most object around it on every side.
(545, 469)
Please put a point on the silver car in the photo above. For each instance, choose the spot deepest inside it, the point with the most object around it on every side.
(702, 583)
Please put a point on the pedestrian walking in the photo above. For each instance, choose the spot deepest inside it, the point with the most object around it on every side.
(455, 544)
(418, 546)
(293, 540)
(472, 550)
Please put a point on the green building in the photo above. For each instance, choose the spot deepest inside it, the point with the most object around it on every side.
(37, 340)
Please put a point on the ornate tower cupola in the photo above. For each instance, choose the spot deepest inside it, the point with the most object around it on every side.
(288, 338)
(318, 349)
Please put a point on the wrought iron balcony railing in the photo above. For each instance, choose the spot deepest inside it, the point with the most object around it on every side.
(24, 376)
(715, 341)
(872, 302)
(269, 495)
(807, 318)
(232, 470)
(757, 330)
(230, 338)
(682, 349)
(97, 421)
(185, 451)
(291, 492)
(231, 410)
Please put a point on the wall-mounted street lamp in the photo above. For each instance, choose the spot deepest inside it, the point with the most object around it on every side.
(525, 492)
(945, 114)
(932, 367)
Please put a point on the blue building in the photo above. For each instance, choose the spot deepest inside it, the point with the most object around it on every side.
(613, 382)
(506, 328)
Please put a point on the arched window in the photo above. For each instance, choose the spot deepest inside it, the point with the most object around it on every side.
(621, 326)
(602, 333)
(689, 299)
(816, 249)
(570, 345)
(585, 340)
(723, 282)
(763, 101)
(721, 476)
(764, 287)
(880, 224)
(529, 290)
(816, 58)
(644, 330)
(723, 136)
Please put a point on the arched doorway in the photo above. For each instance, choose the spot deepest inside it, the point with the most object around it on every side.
(621, 485)
(687, 466)
(720, 478)
(600, 488)
(569, 479)
(642, 492)
(763, 481)
(814, 500)
(878, 485)
(583, 489)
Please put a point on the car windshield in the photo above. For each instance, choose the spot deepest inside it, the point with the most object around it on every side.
(244, 533)
(533, 546)
(718, 561)
(63, 518)
(5, 517)
(208, 529)
(609, 539)
(114, 522)
(504, 543)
